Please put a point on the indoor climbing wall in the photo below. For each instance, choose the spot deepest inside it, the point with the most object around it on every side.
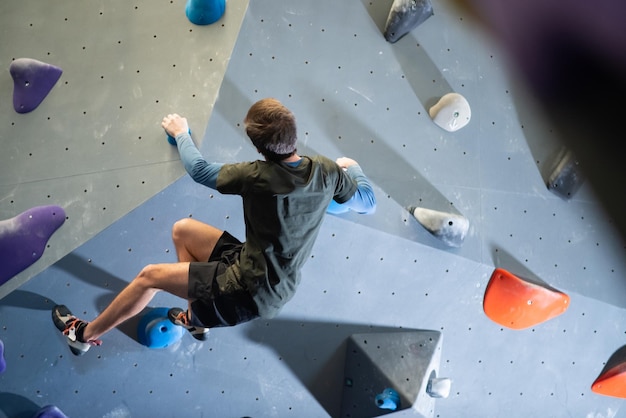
(94, 145)
(356, 94)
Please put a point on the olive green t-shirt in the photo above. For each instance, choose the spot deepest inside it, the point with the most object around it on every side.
(283, 207)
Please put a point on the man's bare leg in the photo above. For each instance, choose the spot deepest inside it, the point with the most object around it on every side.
(194, 241)
(172, 278)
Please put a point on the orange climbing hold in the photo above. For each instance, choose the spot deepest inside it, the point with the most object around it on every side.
(518, 304)
(612, 383)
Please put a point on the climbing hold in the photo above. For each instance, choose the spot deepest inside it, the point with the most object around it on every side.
(401, 361)
(172, 140)
(388, 399)
(612, 382)
(518, 304)
(451, 112)
(566, 177)
(404, 16)
(439, 387)
(32, 81)
(24, 237)
(448, 227)
(3, 362)
(205, 12)
(50, 411)
(155, 330)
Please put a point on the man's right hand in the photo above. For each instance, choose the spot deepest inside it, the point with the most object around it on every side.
(174, 124)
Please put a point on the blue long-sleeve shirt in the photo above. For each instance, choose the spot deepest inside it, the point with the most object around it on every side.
(205, 173)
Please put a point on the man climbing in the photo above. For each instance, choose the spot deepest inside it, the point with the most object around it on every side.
(227, 282)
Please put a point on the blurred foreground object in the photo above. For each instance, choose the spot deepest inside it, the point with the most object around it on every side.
(572, 57)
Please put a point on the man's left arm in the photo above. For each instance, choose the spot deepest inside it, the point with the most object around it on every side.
(364, 200)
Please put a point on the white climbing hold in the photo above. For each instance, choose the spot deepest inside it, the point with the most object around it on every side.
(448, 227)
(451, 112)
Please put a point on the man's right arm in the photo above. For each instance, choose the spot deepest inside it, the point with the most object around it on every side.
(198, 168)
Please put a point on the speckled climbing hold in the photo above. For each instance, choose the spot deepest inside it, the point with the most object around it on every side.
(32, 81)
(519, 304)
(404, 16)
(566, 176)
(448, 227)
(155, 330)
(50, 411)
(205, 12)
(451, 112)
(24, 237)
(3, 362)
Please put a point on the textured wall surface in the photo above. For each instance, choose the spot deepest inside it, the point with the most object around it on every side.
(357, 95)
(94, 145)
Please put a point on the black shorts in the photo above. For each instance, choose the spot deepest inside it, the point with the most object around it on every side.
(221, 300)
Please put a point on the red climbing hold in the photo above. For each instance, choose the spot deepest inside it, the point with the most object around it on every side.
(612, 382)
(518, 304)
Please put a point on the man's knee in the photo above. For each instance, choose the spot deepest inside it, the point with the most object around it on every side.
(148, 276)
(180, 229)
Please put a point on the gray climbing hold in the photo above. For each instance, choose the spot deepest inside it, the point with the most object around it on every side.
(376, 362)
(566, 177)
(439, 387)
(448, 227)
(404, 16)
(451, 112)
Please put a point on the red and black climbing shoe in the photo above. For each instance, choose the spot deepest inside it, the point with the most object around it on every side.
(72, 327)
(179, 317)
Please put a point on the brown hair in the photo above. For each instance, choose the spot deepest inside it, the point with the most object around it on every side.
(272, 129)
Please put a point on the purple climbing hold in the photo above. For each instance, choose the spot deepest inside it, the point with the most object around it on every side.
(3, 362)
(24, 237)
(50, 411)
(32, 81)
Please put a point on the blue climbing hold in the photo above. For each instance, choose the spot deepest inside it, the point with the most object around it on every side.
(388, 399)
(205, 12)
(24, 237)
(155, 330)
(50, 411)
(172, 140)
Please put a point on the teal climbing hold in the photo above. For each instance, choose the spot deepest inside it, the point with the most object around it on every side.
(32, 81)
(24, 238)
(155, 330)
(204, 12)
(388, 399)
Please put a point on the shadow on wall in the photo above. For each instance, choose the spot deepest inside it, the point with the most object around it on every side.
(400, 182)
(17, 406)
(95, 276)
(314, 351)
(425, 78)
